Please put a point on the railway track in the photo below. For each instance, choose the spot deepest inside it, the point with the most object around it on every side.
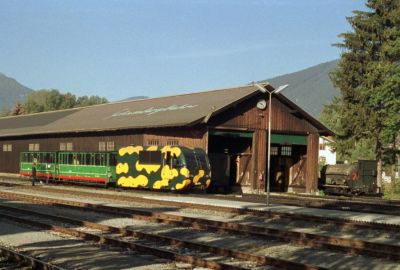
(252, 212)
(185, 251)
(347, 246)
(12, 259)
(355, 204)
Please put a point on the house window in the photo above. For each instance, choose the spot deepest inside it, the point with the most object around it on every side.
(102, 146)
(172, 142)
(63, 146)
(153, 142)
(7, 147)
(322, 146)
(286, 151)
(69, 146)
(66, 146)
(110, 146)
(34, 147)
(274, 150)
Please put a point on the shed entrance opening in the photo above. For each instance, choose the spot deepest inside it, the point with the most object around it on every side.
(230, 154)
(288, 161)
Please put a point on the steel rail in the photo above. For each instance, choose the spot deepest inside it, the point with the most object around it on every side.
(364, 205)
(254, 212)
(25, 259)
(125, 244)
(261, 260)
(349, 246)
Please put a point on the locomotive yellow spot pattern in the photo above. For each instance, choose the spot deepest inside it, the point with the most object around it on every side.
(161, 183)
(152, 148)
(140, 181)
(183, 185)
(149, 168)
(185, 172)
(122, 168)
(208, 182)
(130, 150)
(167, 173)
(174, 150)
(197, 177)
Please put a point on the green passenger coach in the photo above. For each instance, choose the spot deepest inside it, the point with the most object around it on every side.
(94, 167)
(163, 167)
(46, 163)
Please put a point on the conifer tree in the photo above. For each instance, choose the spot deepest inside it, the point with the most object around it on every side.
(368, 76)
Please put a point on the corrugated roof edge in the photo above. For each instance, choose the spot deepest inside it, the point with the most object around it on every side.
(47, 112)
(133, 101)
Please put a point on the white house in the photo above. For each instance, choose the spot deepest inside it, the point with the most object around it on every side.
(326, 154)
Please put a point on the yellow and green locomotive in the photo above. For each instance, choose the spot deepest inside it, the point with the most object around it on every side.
(166, 167)
(151, 167)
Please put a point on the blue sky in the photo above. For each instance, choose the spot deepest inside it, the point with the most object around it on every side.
(125, 48)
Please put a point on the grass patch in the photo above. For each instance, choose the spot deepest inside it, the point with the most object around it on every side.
(391, 191)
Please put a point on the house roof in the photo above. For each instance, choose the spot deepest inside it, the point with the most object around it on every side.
(179, 110)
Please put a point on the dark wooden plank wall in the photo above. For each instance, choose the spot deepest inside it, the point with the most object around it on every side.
(192, 137)
(9, 161)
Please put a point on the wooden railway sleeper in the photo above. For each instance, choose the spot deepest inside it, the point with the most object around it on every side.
(262, 260)
(318, 241)
(269, 213)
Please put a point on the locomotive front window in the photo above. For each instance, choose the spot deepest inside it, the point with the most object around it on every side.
(150, 157)
(191, 161)
(172, 160)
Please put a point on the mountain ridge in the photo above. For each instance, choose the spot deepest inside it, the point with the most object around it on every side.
(11, 91)
(310, 88)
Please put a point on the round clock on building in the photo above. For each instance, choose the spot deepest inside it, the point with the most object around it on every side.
(262, 104)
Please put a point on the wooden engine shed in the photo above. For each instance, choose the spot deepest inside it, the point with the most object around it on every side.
(230, 124)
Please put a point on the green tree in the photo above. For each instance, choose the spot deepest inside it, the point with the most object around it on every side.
(89, 101)
(368, 76)
(51, 100)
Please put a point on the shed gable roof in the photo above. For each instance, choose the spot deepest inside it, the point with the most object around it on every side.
(179, 110)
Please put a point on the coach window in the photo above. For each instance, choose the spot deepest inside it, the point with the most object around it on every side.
(89, 159)
(68, 159)
(102, 159)
(112, 159)
(49, 158)
(97, 159)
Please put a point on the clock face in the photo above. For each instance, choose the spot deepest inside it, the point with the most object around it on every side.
(261, 104)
